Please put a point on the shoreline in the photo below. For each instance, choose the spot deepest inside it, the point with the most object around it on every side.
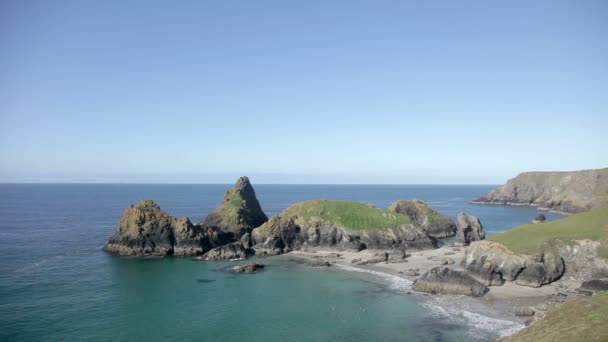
(516, 204)
(497, 305)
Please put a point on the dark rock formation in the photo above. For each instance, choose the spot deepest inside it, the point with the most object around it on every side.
(540, 218)
(236, 250)
(424, 216)
(239, 213)
(295, 230)
(492, 264)
(569, 192)
(146, 230)
(448, 281)
(594, 286)
(250, 267)
(469, 229)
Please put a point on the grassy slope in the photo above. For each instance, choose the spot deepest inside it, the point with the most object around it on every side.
(423, 209)
(347, 214)
(528, 238)
(583, 319)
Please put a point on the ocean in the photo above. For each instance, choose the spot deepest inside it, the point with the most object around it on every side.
(56, 284)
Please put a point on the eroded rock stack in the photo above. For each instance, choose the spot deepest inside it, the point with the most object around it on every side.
(146, 230)
(240, 211)
(469, 229)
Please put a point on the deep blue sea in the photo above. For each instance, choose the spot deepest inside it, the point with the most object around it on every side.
(57, 285)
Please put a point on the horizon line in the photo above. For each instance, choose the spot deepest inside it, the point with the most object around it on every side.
(136, 183)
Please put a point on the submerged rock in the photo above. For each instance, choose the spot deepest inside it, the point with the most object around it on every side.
(240, 211)
(146, 230)
(250, 267)
(469, 229)
(447, 281)
(424, 216)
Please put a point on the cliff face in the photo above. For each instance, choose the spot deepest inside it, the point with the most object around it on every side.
(338, 225)
(569, 192)
(240, 211)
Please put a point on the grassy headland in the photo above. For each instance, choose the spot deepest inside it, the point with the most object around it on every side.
(347, 214)
(582, 319)
(530, 237)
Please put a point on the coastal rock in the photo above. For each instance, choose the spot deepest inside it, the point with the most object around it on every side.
(524, 311)
(230, 251)
(424, 216)
(446, 261)
(492, 264)
(324, 224)
(540, 218)
(235, 250)
(582, 259)
(250, 267)
(569, 192)
(146, 230)
(320, 263)
(469, 229)
(240, 211)
(594, 286)
(447, 281)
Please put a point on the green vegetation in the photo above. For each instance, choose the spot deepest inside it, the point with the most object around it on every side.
(583, 319)
(347, 214)
(418, 210)
(530, 237)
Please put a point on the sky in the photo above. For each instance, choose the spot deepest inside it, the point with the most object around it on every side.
(397, 92)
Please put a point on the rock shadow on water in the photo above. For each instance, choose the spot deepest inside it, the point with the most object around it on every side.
(205, 280)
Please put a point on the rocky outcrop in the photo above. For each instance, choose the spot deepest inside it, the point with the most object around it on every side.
(593, 286)
(492, 264)
(582, 258)
(240, 211)
(424, 216)
(320, 263)
(569, 192)
(310, 225)
(447, 281)
(250, 267)
(146, 230)
(469, 229)
(540, 218)
(236, 250)
(523, 311)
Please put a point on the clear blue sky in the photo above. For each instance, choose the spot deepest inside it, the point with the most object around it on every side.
(301, 91)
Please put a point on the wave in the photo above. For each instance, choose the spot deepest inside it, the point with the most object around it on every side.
(394, 282)
(480, 326)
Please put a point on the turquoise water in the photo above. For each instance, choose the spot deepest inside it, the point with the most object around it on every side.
(57, 285)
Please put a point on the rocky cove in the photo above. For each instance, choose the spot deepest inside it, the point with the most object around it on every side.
(400, 240)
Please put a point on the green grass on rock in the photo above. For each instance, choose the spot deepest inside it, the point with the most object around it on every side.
(347, 214)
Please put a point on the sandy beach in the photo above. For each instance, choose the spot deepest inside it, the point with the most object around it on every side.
(503, 300)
